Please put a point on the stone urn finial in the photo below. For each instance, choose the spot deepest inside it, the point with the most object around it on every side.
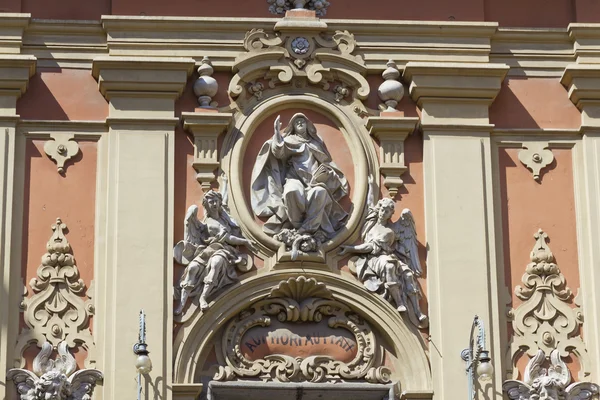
(391, 91)
(206, 86)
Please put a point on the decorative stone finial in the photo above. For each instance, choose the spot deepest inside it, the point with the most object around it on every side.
(391, 91)
(281, 6)
(206, 86)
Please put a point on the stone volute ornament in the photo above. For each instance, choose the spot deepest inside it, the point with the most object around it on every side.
(57, 311)
(296, 184)
(300, 333)
(206, 87)
(55, 379)
(545, 321)
(279, 7)
(61, 149)
(388, 261)
(391, 90)
(536, 156)
(551, 383)
(210, 251)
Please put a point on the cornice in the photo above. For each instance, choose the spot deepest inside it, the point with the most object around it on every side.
(582, 82)
(454, 81)
(12, 26)
(142, 75)
(586, 39)
(533, 52)
(65, 43)
(193, 121)
(15, 71)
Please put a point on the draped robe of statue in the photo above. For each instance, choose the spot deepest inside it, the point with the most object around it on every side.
(296, 184)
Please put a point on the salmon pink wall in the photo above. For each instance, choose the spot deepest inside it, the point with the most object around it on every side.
(528, 206)
(534, 103)
(63, 94)
(49, 195)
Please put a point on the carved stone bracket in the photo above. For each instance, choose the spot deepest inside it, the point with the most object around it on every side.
(57, 311)
(545, 321)
(61, 148)
(206, 128)
(304, 303)
(55, 379)
(391, 131)
(536, 156)
(299, 52)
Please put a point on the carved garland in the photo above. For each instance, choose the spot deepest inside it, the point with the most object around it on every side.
(57, 311)
(304, 301)
(545, 321)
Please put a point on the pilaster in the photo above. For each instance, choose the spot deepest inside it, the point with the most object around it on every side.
(583, 84)
(15, 71)
(206, 126)
(461, 263)
(136, 236)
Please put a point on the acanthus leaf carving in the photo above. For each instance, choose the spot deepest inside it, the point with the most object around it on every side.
(55, 379)
(301, 300)
(57, 311)
(545, 321)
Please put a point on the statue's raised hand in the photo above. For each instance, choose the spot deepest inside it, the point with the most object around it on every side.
(277, 128)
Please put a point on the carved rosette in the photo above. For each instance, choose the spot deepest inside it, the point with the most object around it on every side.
(58, 310)
(301, 301)
(545, 321)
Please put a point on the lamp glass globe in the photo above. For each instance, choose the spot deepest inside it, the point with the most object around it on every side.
(485, 370)
(143, 364)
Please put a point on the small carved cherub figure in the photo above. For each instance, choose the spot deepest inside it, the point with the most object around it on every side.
(388, 259)
(550, 383)
(55, 379)
(296, 184)
(209, 250)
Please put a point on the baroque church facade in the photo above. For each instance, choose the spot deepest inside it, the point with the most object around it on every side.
(308, 199)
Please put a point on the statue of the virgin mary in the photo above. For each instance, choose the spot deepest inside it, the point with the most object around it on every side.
(296, 184)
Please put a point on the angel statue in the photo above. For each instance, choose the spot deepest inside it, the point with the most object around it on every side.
(548, 384)
(55, 379)
(209, 251)
(388, 258)
(297, 185)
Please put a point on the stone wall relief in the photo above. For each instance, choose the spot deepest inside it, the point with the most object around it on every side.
(61, 149)
(55, 379)
(337, 344)
(279, 7)
(547, 330)
(536, 156)
(58, 311)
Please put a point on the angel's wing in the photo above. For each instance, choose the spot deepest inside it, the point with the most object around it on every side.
(65, 362)
(581, 391)
(25, 382)
(534, 370)
(83, 383)
(559, 370)
(516, 390)
(407, 240)
(194, 230)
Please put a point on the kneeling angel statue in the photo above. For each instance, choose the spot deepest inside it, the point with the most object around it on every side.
(209, 251)
(388, 260)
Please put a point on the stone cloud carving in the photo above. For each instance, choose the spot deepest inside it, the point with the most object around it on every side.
(55, 379)
(300, 333)
(550, 383)
(389, 261)
(210, 251)
(57, 311)
(297, 185)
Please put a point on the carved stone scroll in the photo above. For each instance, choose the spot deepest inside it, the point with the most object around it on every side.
(302, 302)
(61, 149)
(58, 311)
(536, 156)
(391, 131)
(206, 128)
(545, 321)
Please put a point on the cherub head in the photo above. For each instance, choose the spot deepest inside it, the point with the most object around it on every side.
(53, 385)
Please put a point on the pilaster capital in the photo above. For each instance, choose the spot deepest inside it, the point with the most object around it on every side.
(15, 71)
(586, 41)
(583, 83)
(131, 76)
(12, 26)
(206, 126)
(454, 93)
(391, 130)
(186, 391)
